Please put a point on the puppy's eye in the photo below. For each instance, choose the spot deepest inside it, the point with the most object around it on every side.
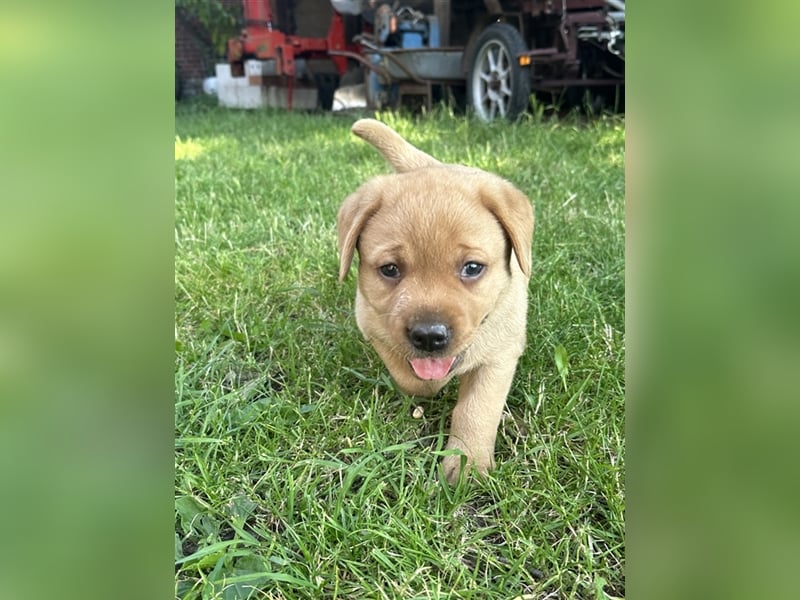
(472, 270)
(390, 271)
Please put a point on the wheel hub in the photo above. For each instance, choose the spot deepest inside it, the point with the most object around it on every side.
(497, 85)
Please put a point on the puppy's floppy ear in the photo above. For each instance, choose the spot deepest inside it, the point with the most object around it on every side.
(398, 152)
(514, 212)
(354, 213)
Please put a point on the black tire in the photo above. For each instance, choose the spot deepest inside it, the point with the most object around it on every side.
(497, 86)
(327, 84)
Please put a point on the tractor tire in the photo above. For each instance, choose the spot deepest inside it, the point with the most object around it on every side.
(327, 84)
(497, 86)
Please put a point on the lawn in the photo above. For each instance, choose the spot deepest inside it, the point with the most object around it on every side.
(300, 470)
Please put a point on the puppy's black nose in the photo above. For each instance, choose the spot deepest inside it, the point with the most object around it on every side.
(429, 337)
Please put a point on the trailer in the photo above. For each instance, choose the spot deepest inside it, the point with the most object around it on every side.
(491, 55)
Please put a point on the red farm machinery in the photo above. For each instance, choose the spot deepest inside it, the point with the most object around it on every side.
(489, 55)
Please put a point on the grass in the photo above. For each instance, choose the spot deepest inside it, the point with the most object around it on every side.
(300, 470)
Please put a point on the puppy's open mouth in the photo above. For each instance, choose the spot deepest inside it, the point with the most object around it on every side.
(431, 368)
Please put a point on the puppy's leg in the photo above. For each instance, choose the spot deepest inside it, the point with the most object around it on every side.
(476, 417)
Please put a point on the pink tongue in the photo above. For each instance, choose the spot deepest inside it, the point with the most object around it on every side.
(432, 368)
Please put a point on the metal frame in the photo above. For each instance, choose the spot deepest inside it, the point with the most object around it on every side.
(554, 30)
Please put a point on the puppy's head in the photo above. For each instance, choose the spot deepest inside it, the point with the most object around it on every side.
(438, 247)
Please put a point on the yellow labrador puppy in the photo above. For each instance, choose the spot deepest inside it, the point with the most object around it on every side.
(444, 263)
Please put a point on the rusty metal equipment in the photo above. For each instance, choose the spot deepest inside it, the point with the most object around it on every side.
(573, 40)
(496, 52)
(283, 53)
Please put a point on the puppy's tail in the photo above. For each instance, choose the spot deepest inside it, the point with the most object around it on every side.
(398, 152)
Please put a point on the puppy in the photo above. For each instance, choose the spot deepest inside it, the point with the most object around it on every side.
(443, 271)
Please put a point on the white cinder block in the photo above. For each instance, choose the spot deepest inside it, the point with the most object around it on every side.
(238, 92)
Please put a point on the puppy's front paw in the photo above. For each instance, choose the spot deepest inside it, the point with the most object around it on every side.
(451, 465)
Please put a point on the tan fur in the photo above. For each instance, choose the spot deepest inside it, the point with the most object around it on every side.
(430, 220)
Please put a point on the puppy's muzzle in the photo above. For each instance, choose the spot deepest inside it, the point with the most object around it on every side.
(430, 336)
(432, 339)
